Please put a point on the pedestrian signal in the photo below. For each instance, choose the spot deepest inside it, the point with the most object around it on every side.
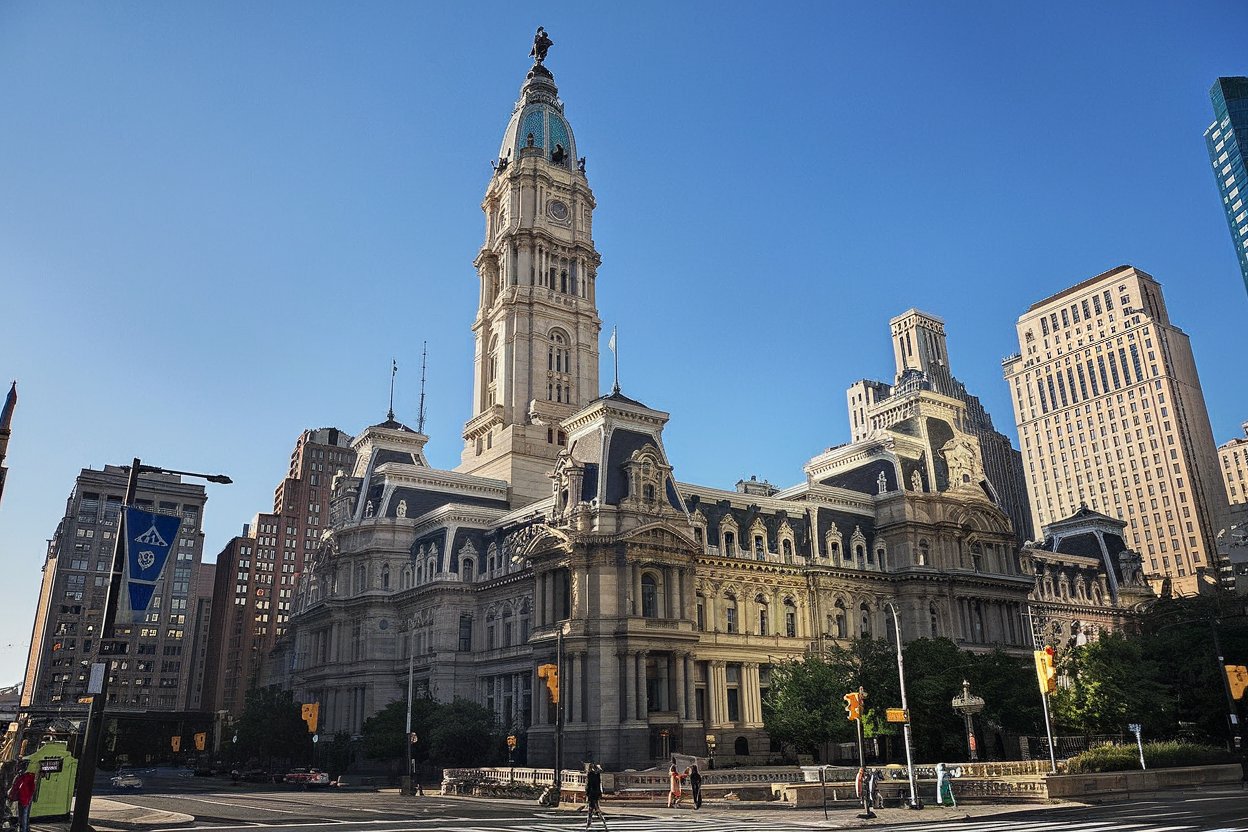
(853, 706)
(201, 740)
(311, 711)
(1046, 672)
(1237, 676)
(550, 673)
(175, 743)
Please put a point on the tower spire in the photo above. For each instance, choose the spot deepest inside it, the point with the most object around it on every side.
(6, 425)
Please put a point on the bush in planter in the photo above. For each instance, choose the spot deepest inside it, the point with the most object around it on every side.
(1168, 754)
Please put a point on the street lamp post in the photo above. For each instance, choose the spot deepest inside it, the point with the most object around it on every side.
(407, 731)
(968, 705)
(905, 726)
(98, 685)
(559, 717)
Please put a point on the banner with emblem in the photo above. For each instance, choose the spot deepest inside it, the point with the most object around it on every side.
(149, 537)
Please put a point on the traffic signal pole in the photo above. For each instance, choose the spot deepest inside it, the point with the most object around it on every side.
(1232, 712)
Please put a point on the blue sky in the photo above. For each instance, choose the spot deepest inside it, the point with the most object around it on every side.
(221, 221)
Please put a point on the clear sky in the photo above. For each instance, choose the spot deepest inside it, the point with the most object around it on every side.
(220, 221)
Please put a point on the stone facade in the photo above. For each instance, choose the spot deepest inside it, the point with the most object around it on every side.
(566, 518)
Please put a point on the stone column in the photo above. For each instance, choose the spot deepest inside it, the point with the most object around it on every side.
(630, 684)
(642, 705)
(681, 706)
(538, 699)
(578, 665)
(550, 598)
(636, 589)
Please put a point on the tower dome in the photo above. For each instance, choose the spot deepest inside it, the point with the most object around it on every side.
(537, 123)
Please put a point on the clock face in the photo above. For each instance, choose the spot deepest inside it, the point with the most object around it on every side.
(557, 210)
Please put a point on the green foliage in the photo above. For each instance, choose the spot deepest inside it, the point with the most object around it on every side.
(1112, 682)
(1156, 755)
(271, 728)
(803, 707)
(449, 734)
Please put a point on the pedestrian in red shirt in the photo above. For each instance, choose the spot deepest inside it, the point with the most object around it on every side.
(22, 792)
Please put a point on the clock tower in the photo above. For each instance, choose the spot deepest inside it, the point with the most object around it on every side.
(537, 322)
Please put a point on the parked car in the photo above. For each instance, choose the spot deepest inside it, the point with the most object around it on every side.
(307, 777)
(126, 780)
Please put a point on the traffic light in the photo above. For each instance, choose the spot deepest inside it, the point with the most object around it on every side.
(1237, 675)
(311, 712)
(550, 673)
(853, 706)
(1046, 672)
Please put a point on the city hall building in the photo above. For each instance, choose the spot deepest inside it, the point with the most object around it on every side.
(566, 515)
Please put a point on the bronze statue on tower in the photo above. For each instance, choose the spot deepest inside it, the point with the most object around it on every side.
(541, 45)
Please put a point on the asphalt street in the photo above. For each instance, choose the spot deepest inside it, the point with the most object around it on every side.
(220, 807)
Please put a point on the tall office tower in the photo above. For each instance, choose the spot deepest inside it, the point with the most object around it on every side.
(155, 670)
(1234, 458)
(924, 381)
(256, 572)
(1227, 139)
(1110, 414)
(6, 430)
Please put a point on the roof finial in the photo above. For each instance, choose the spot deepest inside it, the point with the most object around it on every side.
(541, 44)
(616, 356)
(420, 420)
(394, 371)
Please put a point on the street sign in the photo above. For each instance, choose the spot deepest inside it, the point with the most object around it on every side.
(95, 684)
(897, 714)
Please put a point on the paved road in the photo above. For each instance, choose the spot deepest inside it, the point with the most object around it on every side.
(219, 807)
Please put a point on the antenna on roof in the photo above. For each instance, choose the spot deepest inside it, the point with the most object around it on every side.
(394, 370)
(420, 420)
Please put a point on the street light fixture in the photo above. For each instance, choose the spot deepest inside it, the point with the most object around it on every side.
(85, 779)
(905, 726)
(968, 705)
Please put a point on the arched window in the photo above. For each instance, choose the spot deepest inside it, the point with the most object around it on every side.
(466, 570)
(359, 579)
(786, 549)
(762, 615)
(977, 557)
(760, 547)
(790, 618)
(741, 747)
(860, 552)
(730, 544)
(558, 356)
(842, 621)
(385, 576)
(647, 493)
(465, 633)
(649, 596)
(925, 554)
(864, 624)
(730, 614)
(934, 620)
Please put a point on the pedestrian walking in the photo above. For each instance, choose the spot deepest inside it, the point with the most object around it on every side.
(695, 785)
(673, 793)
(593, 795)
(944, 786)
(22, 792)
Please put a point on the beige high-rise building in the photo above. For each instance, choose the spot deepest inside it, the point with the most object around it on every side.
(1110, 414)
(1234, 458)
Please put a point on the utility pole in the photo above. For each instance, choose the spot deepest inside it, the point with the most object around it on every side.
(1037, 640)
(559, 718)
(905, 726)
(407, 733)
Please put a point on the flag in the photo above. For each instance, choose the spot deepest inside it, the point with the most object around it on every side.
(149, 537)
(611, 343)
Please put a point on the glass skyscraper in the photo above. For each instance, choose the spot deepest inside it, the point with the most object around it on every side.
(1227, 139)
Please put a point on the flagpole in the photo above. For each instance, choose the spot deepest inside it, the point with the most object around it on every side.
(615, 353)
(394, 371)
(89, 751)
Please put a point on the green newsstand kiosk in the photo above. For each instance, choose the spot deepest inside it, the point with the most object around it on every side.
(55, 769)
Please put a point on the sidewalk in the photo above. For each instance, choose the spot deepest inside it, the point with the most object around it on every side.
(114, 815)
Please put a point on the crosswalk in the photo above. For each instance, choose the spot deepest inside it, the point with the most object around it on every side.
(1032, 825)
(690, 823)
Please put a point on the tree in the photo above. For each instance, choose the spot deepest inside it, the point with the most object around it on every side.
(1111, 682)
(272, 727)
(803, 707)
(385, 731)
(464, 733)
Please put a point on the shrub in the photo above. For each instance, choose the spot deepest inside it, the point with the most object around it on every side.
(1169, 754)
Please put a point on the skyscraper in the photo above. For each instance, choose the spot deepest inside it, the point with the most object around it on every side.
(1227, 139)
(258, 570)
(155, 669)
(1111, 415)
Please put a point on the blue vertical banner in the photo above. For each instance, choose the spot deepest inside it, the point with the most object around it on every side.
(149, 537)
